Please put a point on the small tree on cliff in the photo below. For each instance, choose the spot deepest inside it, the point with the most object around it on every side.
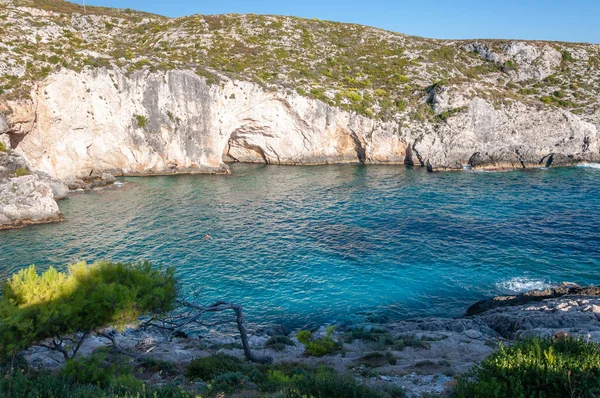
(59, 310)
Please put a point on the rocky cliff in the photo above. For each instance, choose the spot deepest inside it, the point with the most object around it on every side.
(107, 90)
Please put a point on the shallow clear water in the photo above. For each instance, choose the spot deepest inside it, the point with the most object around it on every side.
(310, 245)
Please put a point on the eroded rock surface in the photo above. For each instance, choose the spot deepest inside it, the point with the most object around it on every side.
(103, 120)
(27, 197)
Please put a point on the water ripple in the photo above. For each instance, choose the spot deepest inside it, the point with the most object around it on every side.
(306, 245)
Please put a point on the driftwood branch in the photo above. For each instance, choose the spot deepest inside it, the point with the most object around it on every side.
(192, 317)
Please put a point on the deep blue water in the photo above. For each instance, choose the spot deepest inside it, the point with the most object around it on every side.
(310, 245)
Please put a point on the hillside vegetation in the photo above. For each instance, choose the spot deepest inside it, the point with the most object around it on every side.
(371, 71)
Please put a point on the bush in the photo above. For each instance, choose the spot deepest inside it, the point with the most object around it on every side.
(3, 147)
(410, 341)
(159, 366)
(378, 359)
(537, 368)
(22, 171)
(208, 368)
(141, 121)
(278, 343)
(304, 336)
(375, 335)
(319, 347)
(53, 386)
(325, 382)
(36, 307)
(228, 382)
(98, 371)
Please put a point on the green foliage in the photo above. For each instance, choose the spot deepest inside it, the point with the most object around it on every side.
(36, 307)
(509, 66)
(210, 78)
(567, 57)
(226, 374)
(443, 116)
(97, 370)
(159, 366)
(377, 359)
(228, 382)
(141, 121)
(47, 385)
(304, 336)
(557, 100)
(22, 171)
(97, 62)
(319, 347)
(410, 341)
(372, 334)
(3, 147)
(538, 368)
(278, 343)
(325, 382)
(208, 368)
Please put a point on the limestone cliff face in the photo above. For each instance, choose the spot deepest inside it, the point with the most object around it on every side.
(83, 124)
(147, 123)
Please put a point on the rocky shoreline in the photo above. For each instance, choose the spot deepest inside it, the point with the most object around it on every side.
(29, 196)
(429, 353)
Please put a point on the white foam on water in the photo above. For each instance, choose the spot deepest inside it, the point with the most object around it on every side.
(520, 285)
(589, 165)
(118, 184)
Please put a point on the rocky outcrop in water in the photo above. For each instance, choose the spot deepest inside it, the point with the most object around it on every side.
(27, 197)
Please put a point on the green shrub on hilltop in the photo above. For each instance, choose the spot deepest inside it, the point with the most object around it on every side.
(538, 368)
(35, 307)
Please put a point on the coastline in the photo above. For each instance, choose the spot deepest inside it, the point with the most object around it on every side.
(433, 354)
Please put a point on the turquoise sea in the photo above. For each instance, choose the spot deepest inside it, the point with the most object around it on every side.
(318, 244)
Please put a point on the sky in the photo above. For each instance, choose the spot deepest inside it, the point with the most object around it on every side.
(560, 20)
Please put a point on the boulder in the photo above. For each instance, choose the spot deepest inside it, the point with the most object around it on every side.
(27, 200)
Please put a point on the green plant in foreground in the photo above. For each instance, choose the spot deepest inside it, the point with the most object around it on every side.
(3, 147)
(209, 367)
(319, 347)
(538, 368)
(35, 307)
(226, 374)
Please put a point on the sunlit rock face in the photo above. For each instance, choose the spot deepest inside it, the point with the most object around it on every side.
(84, 124)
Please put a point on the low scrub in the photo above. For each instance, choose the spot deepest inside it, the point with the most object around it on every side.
(208, 368)
(228, 375)
(539, 368)
(378, 359)
(278, 343)
(321, 346)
